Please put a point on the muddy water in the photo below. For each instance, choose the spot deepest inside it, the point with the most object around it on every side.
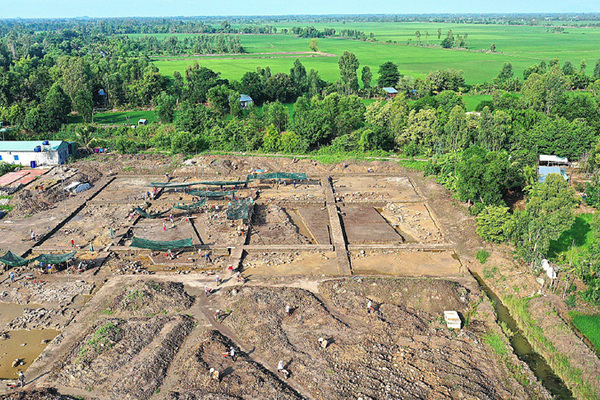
(297, 220)
(10, 311)
(523, 349)
(13, 348)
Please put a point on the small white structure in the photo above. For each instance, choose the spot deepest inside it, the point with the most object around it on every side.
(34, 153)
(551, 161)
(551, 272)
(452, 319)
(143, 121)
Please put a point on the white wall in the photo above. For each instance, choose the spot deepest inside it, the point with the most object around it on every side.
(25, 157)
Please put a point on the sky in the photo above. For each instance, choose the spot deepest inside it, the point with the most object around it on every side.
(157, 8)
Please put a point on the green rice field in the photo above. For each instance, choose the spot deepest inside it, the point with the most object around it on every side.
(520, 45)
(589, 325)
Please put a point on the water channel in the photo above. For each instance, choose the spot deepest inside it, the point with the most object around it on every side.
(523, 349)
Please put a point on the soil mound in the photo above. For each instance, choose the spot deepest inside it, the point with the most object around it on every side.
(145, 298)
(399, 351)
(243, 378)
(124, 359)
(41, 394)
(430, 295)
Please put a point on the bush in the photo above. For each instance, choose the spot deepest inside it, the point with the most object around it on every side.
(482, 255)
(494, 224)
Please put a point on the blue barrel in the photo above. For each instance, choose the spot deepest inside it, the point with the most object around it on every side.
(32, 164)
(45, 142)
(37, 149)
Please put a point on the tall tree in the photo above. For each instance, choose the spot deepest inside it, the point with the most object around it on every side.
(83, 103)
(298, 77)
(313, 45)
(366, 75)
(348, 64)
(388, 75)
(548, 213)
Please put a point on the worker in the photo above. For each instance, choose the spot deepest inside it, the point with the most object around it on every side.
(330, 180)
(370, 308)
(232, 353)
(218, 280)
(172, 220)
(12, 277)
(21, 379)
(214, 374)
(32, 234)
(323, 343)
(206, 291)
(281, 370)
(164, 227)
(288, 310)
(72, 243)
(168, 177)
(111, 232)
(230, 268)
(217, 315)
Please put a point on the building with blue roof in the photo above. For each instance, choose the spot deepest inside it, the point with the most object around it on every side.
(543, 172)
(34, 153)
(245, 101)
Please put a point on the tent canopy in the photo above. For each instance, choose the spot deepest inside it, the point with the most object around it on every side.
(160, 245)
(208, 193)
(240, 209)
(146, 215)
(192, 206)
(55, 258)
(13, 260)
(299, 176)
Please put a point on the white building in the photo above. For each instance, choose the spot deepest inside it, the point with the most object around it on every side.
(34, 153)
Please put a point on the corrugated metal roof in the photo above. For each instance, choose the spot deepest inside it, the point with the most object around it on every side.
(555, 159)
(245, 97)
(390, 90)
(27, 145)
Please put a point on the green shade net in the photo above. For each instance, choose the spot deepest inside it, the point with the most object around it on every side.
(223, 183)
(188, 184)
(146, 215)
(216, 193)
(192, 206)
(55, 258)
(160, 245)
(240, 209)
(299, 176)
(13, 260)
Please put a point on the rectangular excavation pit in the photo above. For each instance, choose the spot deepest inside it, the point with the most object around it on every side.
(364, 225)
(413, 221)
(374, 189)
(290, 262)
(405, 262)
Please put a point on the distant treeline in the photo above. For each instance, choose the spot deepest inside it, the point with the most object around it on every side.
(312, 32)
(265, 24)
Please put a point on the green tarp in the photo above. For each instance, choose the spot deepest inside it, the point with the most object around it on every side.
(55, 258)
(13, 260)
(192, 206)
(224, 183)
(146, 215)
(160, 245)
(208, 193)
(188, 184)
(240, 209)
(298, 176)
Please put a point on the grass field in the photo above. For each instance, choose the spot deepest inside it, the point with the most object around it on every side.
(574, 243)
(588, 325)
(520, 45)
(118, 118)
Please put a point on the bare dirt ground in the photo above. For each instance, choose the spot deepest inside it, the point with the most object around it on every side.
(156, 335)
